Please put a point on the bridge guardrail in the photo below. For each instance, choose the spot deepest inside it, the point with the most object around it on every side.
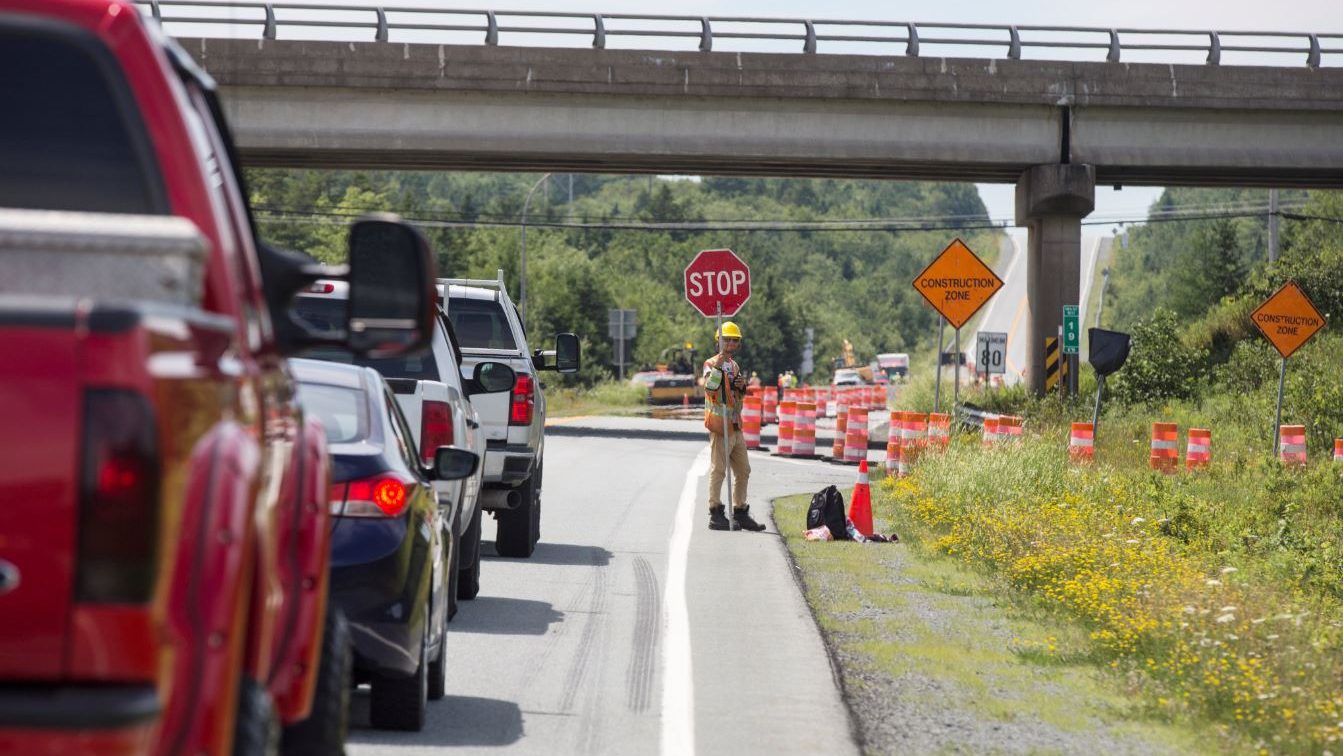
(810, 33)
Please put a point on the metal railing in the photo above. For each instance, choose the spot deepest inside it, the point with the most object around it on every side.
(809, 34)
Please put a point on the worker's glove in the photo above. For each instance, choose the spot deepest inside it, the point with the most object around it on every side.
(739, 382)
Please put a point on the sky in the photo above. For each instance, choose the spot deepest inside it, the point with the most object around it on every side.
(1301, 16)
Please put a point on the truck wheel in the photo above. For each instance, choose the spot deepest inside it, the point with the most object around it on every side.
(518, 529)
(468, 582)
(398, 703)
(323, 732)
(256, 731)
(454, 579)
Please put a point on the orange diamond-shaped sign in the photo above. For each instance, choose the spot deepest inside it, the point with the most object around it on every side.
(957, 283)
(1288, 319)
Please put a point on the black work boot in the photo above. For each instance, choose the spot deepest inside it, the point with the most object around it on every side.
(717, 519)
(744, 521)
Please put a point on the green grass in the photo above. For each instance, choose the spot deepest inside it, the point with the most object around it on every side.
(606, 398)
(895, 611)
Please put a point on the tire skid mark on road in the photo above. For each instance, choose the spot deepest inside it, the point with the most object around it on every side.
(556, 636)
(587, 640)
(648, 613)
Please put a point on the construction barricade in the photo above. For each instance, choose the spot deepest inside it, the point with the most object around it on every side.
(771, 406)
(990, 430)
(1165, 452)
(1082, 442)
(841, 424)
(1009, 429)
(804, 430)
(909, 430)
(1338, 450)
(939, 430)
(1292, 445)
(751, 415)
(787, 427)
(1198, 449)
(855, 436)
(893, 440)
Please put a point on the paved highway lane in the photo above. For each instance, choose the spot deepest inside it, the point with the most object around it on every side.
(588, 648)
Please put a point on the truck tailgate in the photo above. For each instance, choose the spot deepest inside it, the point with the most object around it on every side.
(40, 406)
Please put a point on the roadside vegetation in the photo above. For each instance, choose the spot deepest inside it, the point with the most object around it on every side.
(605, 398)
(1213, 595)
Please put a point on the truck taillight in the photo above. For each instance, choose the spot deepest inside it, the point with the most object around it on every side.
(435, 429)
(118, 499)
(523, 401)
(379, 496)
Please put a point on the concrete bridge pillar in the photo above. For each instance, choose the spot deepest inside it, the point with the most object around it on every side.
(1052, 200)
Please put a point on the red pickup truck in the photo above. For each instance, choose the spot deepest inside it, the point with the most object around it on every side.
(163, 513)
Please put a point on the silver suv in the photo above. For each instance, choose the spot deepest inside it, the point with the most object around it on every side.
(488, 328)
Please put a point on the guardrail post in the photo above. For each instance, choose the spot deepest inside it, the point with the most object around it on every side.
(706, 35)
(381, 34)
(809, 46)
(1014, 49)
(1113, 55)
(598, 32)
(268, 31)
(912, 45)
(491, 29)
(1214, 49)
(1313, 59)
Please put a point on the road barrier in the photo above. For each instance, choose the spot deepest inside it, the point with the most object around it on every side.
(939, 430)
(855, 436)
(1198, 449)
(804, 430)
(787, 427)
(1338, 450)
(1009, 429)
(1292, 445)
(990, 430)
(841, 425)
(771, 406)
(1082, 442)
(1165, 452)
(893, 441)
(750, 420)
(907, 436)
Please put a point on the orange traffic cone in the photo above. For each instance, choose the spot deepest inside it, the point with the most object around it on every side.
(860, 505)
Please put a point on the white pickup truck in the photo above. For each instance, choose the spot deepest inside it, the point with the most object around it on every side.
(489, 328)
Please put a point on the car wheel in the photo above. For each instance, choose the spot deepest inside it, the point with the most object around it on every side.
(323, 732)
(468, 582)
(256, 731)
(438, 670)
(517, 527)
(398, 703)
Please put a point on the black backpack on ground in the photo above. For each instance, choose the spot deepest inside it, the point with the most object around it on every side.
(827, 508)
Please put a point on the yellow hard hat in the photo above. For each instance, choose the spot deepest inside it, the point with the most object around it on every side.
(730, 330)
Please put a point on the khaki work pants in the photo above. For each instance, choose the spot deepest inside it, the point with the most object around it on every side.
(741, 469)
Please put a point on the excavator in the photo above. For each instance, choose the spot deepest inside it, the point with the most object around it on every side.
(847, 371)
(674, 377)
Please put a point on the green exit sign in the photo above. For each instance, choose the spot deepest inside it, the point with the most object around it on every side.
(1072, 332)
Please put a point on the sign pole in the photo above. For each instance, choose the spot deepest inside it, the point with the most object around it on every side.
(1096, 413)
(727, 422)
(956, 372)
(937, 387)
(1277, 415)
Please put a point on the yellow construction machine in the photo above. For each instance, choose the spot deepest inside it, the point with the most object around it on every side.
(674, 377)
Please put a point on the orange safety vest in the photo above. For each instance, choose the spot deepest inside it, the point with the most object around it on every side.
(716, 401)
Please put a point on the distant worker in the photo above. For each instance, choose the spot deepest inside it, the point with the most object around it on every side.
(755, 380)
(724, 387)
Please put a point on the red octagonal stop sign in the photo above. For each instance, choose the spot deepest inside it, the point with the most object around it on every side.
(714, 277)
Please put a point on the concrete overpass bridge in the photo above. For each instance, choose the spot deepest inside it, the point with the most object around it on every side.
(1053, 128)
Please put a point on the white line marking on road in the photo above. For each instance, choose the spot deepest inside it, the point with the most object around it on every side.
(678, 688)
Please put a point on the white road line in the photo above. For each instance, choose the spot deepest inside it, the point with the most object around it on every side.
(678, 689)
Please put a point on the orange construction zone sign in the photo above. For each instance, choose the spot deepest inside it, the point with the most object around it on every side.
(1288, 319)
(957, 283)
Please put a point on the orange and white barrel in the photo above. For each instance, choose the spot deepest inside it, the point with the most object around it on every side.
(1292, 444)
(1338, 450)
(1082, 442)
(939, 430)
(751, 415)
(841, 424)
(855, 436)
(1009, 429)
(1198, 449)
(1165, 454)
(771, 406)
(990, 430)
(787, 427)
(913, 433)
(804, 432)
(893, 441)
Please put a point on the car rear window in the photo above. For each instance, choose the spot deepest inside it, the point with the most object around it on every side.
(480, 324)
(328, 314)
(70, 137)
(342, 411)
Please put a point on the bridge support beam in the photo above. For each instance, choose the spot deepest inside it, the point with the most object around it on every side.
(1051, 202)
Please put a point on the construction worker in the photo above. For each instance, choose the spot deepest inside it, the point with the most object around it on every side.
(755, 380)
(724, 387)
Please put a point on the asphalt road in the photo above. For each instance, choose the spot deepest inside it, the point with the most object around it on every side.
(633, 628)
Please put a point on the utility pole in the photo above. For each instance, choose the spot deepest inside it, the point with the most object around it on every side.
(522, 285)
(1272, 225)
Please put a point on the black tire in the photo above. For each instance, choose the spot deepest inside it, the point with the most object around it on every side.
(454, 577)
(398, 703)
(520, 529)
(256, 731)
(323, 732)
(468, 581)
(438, 670)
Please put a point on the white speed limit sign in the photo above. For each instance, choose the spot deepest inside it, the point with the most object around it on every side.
(991, 352)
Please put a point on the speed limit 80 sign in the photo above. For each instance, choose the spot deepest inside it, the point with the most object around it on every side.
(991, 352)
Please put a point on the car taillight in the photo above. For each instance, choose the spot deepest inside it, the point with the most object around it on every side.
(118, 499)
(380, 496)
(523, 401)
(435, 429)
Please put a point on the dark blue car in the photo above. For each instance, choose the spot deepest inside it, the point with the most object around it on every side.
(390, 542)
